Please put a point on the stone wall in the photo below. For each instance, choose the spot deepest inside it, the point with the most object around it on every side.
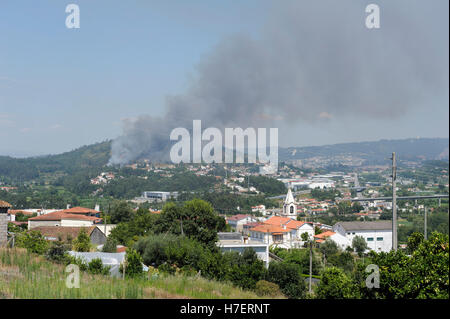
(3, 229)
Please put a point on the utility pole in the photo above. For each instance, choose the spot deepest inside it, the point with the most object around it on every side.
(425, 222)
(394, 203)
(310, 266)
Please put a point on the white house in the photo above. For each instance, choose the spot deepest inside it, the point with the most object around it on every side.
(284, 232)
(63, 219)
(235, 242)
(340, 240)
(378, 234)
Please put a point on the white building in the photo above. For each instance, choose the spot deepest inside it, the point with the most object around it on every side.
(235, 242)
(282, 232)
(378, 234)
(289, 206)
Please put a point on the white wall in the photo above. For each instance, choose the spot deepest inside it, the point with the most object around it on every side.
(38, 223)
(385, 244)
(76, 223)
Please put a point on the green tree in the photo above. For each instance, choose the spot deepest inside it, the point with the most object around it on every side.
(121, 212)
(288, 278)
(196, 219)
(110, 245)
(33, 241)
(414, 241)
(334, 284)
(329, 248)
(359, 244)
(133, 263)
(82, 243)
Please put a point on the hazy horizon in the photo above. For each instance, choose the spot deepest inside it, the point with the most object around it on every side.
(133, 70)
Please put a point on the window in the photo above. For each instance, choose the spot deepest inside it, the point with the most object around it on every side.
(379, 238)
(292, 209)
(353, 233)
(370, 239)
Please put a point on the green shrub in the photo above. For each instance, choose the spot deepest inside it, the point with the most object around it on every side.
(33, 241)
(288, 278)
(56, 251)
(265, 288)
(110, 246)
(82, 243)
(96, 267)
(133, 262)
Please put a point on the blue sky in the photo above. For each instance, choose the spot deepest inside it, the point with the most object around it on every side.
(61, 88)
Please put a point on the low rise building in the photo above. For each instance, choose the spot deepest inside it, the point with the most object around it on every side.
(378, 234)
(237, 242)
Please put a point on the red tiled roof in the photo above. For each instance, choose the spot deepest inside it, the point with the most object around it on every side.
(4, 204)
(324, 235)
(121, 249)
(63, 232)
(59, 215)
(264, 228)
(277, 220)
(16, 211)
(80, 210)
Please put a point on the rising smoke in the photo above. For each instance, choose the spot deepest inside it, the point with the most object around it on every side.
(313, 60)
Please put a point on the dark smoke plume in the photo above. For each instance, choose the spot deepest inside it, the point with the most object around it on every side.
(312, 60)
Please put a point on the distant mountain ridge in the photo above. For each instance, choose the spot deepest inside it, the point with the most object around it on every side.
(97, 155)
(412, 149)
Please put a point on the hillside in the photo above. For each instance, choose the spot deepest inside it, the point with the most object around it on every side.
(85, 157)
(97, 155)
(25, 275)
(413, 149)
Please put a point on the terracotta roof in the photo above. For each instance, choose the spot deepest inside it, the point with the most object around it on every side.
(277, 220)
(269, 229)
(16, 211)
(121, 249)
(63, 232)
(324, 235)
(80, 210)
(295, 224)
(4, 204)
(253, 224)
(59, 215)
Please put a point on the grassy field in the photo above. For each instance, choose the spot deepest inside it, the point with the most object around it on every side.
(29, 276)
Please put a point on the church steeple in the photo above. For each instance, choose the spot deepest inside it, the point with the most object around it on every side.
(289, 207)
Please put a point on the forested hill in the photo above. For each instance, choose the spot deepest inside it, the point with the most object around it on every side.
(412, 149)
(85, 157)
(97, 155)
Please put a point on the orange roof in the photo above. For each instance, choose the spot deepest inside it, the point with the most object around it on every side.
(16, 211)
(59, 215)
(269, 229)
(277, 220)
(4, 204)
(80, 210)
(324, 235)
(285, 221)
(295, 224)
